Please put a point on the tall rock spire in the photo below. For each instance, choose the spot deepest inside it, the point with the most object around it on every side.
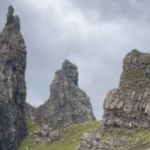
(10, 17)
(12, 84)
(67, 103)
(13, 22)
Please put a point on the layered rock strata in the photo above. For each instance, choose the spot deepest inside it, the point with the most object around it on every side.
(125, 108)
(129, 105)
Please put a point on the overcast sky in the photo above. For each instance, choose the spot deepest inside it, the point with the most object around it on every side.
(93, 34)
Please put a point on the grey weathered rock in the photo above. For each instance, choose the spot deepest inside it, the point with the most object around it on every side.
(12, 84)
(47, 135)
(13, 22)
(30, 112)
(67, 103)
(103, 139)
(129, 105)
(10, 17)
(115, 139)
(125, 108)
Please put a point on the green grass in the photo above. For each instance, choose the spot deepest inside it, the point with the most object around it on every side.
(133, 139)
(70, 139)
(29, 140)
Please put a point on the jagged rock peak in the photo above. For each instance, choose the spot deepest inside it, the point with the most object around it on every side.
(13, 22)
(136, 70)
(70, 70)
(68, 64)
(67, 103)
(10, 14)
(12, 86)
(129, 105)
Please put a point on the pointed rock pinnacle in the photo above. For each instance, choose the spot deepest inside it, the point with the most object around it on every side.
(13, 22)
(10, 17)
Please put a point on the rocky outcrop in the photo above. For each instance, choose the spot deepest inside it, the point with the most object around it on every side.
(12, 84)
(95, 141)
(115, 139)
(30, 112)
(67, 103)
(129, 105)
(47, 135)
(125, 108)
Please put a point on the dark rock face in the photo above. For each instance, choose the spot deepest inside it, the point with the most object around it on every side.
(12, 84)
(129, 105)
(67, 103)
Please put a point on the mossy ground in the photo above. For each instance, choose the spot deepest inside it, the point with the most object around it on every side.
(69, 141)
(133, 139)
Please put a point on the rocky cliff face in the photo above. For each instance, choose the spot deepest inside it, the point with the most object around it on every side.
(124, 108)
(30, 112)
(67, 103)
(12, 84)
(129, 105)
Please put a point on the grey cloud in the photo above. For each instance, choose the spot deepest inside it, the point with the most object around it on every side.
(116, 9)
(97, 47)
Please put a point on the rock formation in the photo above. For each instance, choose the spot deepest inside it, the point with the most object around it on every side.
(67, 103)
(30, 112)
(125, 108)
(12, 84)
(129, 105)
(115, 139)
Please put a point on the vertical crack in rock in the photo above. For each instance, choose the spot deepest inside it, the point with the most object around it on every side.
(12, 84)
(67, 103)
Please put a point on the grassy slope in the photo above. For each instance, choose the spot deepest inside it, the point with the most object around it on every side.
(70, 139)
(135, 139)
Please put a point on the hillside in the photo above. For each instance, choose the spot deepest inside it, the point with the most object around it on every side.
(88, 133)
(69, 141)
(117, 139)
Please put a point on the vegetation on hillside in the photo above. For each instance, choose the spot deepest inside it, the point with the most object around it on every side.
(132, 139)
(70, 140)
(129, 139)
